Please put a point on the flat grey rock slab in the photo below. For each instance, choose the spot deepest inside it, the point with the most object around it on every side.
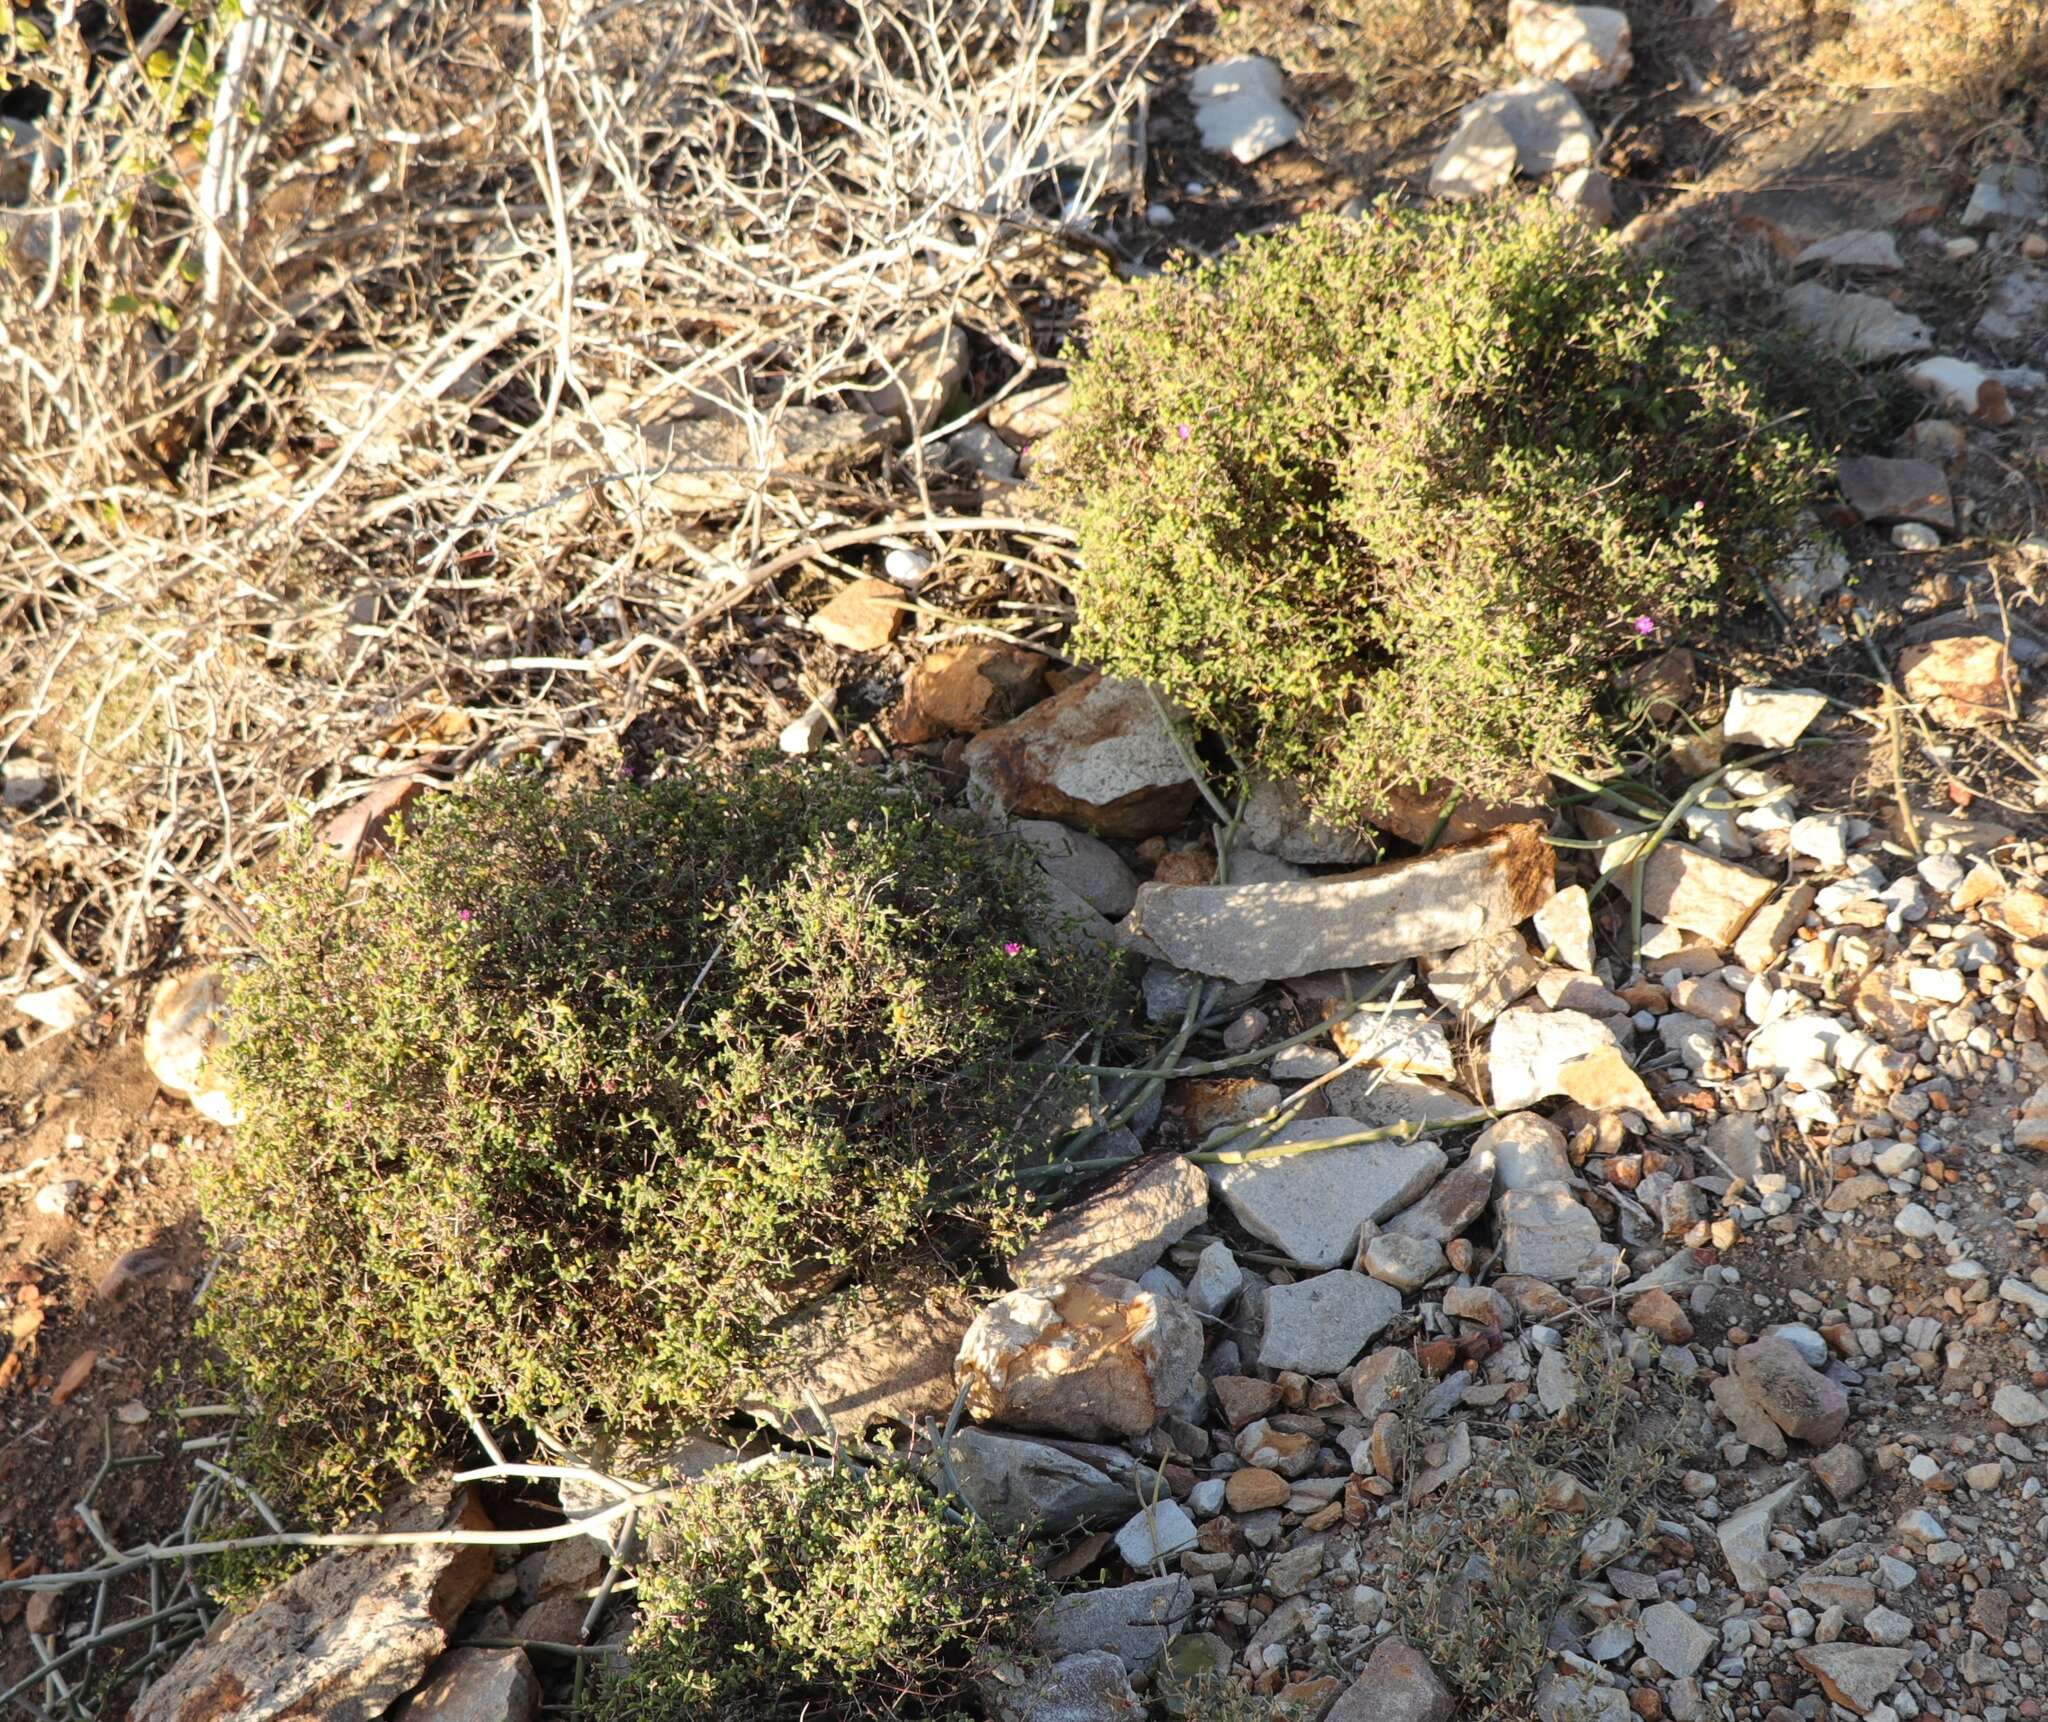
(1320, 1325)
(1433, 902)
(1546, 1232)
(1309, 1205)
(1019, 1485)
(1134, 1622)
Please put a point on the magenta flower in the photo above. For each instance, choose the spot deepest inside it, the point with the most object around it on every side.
(1644, 625)
(1185, 432)
(1012, 949)
(464, 914)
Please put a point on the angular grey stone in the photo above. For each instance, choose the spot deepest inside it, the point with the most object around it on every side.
(1396, 1685)
(1134, 1622)
(1319, 1325)
(476, 1685)
(1310, 1205)
(1672, 1639)
(1385, 1381)
(1549, 128)
(1433, 902)
(1545, 1233)
(1277, 821)
(1527, 1150)
(1157, 1532)
(1746, 1540)
(1020, 1486)
(1122, 1228)
(2017, 1406)
(1217, 1279)
(1378, 1097)
(1861, 325)
(1405, 1263)
(1086, 865)
(2007, 191)
(1453, 1203)
(1579, 1698)
(1089, 1687)
(1856, 1676)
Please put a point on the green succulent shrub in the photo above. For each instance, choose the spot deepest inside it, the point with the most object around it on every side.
(796, 1594)
(552, 1114)
(1382, 501)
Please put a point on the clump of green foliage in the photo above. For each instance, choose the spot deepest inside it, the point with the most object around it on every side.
(796, 1594)
(553, 1113)
(1382, 500)
(1480, 1571)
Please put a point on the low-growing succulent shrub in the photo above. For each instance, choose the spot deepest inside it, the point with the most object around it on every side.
(1381, 500)
(552, 1114)
(794, 1594)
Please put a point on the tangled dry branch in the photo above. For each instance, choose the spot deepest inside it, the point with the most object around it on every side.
(358, 357)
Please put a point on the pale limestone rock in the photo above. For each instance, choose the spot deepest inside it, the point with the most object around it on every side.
(1132, 1622)
(1693, 891)
(342, 1639)
(1433, 902)
(1746, 1539)
(1097, 755)
(1477, 160)
(1864, 327)
(1854, 248)
(1318, 1325)
(1278, 822)
(1483, 978)
(1529, 1048)
(1528, 1150)
(1309, 1205)
(181, 1038)
(1585, 48)
(1566, 924)
(1395, 1040)
(1239, 108)
(1546, 1233)
(1771, 717)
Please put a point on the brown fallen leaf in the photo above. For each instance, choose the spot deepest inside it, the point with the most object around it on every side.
(366, 820)
(74, 1376)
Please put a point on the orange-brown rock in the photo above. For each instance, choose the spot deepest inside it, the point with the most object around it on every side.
(962, 690)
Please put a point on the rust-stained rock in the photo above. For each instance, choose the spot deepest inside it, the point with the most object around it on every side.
(1434, 902)
(1123, 1228)
(179, 1042)
(342, 1640)
(878, 1354)
(1413, 815)
(1098, 755)
(1963, 682)
(1094, 1358)
(962, 690)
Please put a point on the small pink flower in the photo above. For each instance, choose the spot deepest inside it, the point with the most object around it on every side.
(1012, 949)
(1184, 431)
(1645, 625)
(465, 914)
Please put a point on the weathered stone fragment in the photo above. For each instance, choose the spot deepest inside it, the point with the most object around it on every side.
(1433, 902)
